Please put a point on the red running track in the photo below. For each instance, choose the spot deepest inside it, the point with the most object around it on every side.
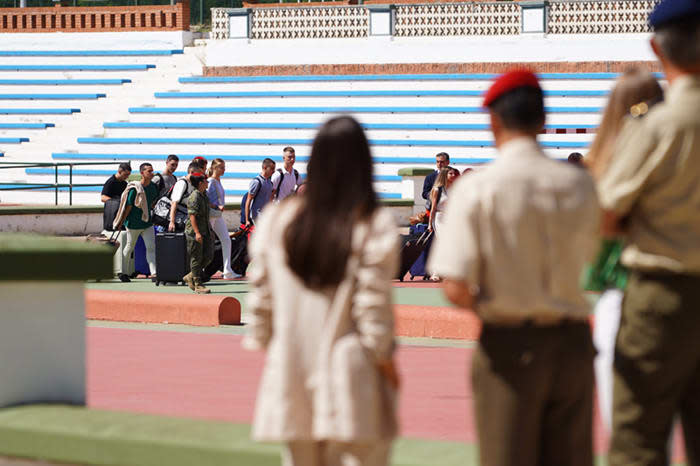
(209, 376)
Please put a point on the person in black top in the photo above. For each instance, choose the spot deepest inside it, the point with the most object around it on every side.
(116, 184)
(442, 160)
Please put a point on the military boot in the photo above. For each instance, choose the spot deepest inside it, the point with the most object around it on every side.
(199, 288)
(189, 280)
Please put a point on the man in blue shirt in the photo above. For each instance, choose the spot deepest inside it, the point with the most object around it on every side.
(259, 192)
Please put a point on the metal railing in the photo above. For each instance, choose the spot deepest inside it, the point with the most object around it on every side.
(23, 185)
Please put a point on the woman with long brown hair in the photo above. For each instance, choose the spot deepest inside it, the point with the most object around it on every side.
(634, 93)
(321, 305)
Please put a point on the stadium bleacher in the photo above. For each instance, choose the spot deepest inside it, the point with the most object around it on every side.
(245, 119)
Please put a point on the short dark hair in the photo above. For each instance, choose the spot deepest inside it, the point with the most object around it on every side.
(172, 157)
(199, 162)
(521, 109)
(443, 154)
(193, 166)
(267, 162)
(289, 149)
(679, 41)
(197, 178)
(125, 167)
(575, 158)
(143, 166)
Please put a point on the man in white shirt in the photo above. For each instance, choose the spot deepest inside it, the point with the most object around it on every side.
(286, 179)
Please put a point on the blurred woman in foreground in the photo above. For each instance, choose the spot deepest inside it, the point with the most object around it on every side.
(631, 98)
(321, 306)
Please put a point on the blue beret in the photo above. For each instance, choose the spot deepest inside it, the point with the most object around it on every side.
(670, 11)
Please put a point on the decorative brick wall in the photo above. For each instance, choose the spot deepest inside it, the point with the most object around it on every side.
(599, 16)
(428, 68)
(96, 19)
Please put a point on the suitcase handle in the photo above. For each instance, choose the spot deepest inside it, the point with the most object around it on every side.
(425, 237)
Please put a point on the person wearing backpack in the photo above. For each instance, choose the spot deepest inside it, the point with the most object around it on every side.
(259, 192)
(166, 179)
(180, 192)
(285, 180)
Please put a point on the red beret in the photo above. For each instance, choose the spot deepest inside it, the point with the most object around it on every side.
(199, 157)
(509, 81)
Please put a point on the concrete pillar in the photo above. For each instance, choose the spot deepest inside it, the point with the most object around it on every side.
(412, 186)
(42, 317)
(534, 16)
(382, 19)
(240, 23)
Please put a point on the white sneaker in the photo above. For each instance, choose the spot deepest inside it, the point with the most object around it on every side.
(231, 276)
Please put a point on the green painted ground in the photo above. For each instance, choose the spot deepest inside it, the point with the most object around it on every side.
(85, 436)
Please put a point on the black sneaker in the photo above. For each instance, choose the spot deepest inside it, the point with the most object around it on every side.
(124, 277)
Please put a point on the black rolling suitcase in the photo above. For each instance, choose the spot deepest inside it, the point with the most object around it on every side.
(411, 250)
(239, 255)
(172, 262)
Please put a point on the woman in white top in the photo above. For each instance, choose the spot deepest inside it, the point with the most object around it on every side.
(217, 200)
(321, 305)
(438, 196)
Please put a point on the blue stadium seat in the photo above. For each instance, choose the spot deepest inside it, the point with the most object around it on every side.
(26, 125)
(87, 53)
(38, 111)
(398, 109)
(378, 93)
(62, 82)
(51, 96)
(372, 126)
(13, 140)
(390, 77)
(75, 67)
(291, 141)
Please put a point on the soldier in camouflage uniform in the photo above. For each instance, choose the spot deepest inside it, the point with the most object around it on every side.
(200, 241)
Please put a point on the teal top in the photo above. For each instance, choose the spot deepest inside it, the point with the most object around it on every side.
(134, 221)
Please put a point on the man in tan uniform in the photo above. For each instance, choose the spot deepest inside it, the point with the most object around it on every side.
(516, 238)
(652, 189)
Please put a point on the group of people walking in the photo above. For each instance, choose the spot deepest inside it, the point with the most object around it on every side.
(513, 240)
(193, 204)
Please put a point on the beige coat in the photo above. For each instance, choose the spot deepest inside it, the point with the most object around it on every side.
(140, 201)
(320, 380)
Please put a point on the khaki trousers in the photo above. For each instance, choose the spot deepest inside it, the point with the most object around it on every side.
(327, 453)
(656, 369)
(533, 395)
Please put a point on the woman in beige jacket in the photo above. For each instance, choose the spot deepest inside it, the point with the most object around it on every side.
(321, 306)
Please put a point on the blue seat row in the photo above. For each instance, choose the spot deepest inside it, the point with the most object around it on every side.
(38, 111)
(368, 126)
(97, 189)
(428, 159)
(26, 125)
(427, 109)
(136, 67)
(51, 96)
(375, 93)
(62, 82)
(87, 53)
(273, 141)
(393, 77)
(230, 175)
(13, 140)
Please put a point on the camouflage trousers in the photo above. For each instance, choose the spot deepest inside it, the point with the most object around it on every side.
(201, 254)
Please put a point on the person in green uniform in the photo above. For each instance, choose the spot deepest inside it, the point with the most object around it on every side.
(651, 192)
(136, 216)
(200, 241)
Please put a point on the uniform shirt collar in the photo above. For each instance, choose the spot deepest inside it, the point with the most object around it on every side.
(519, 147)
(681, 86)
